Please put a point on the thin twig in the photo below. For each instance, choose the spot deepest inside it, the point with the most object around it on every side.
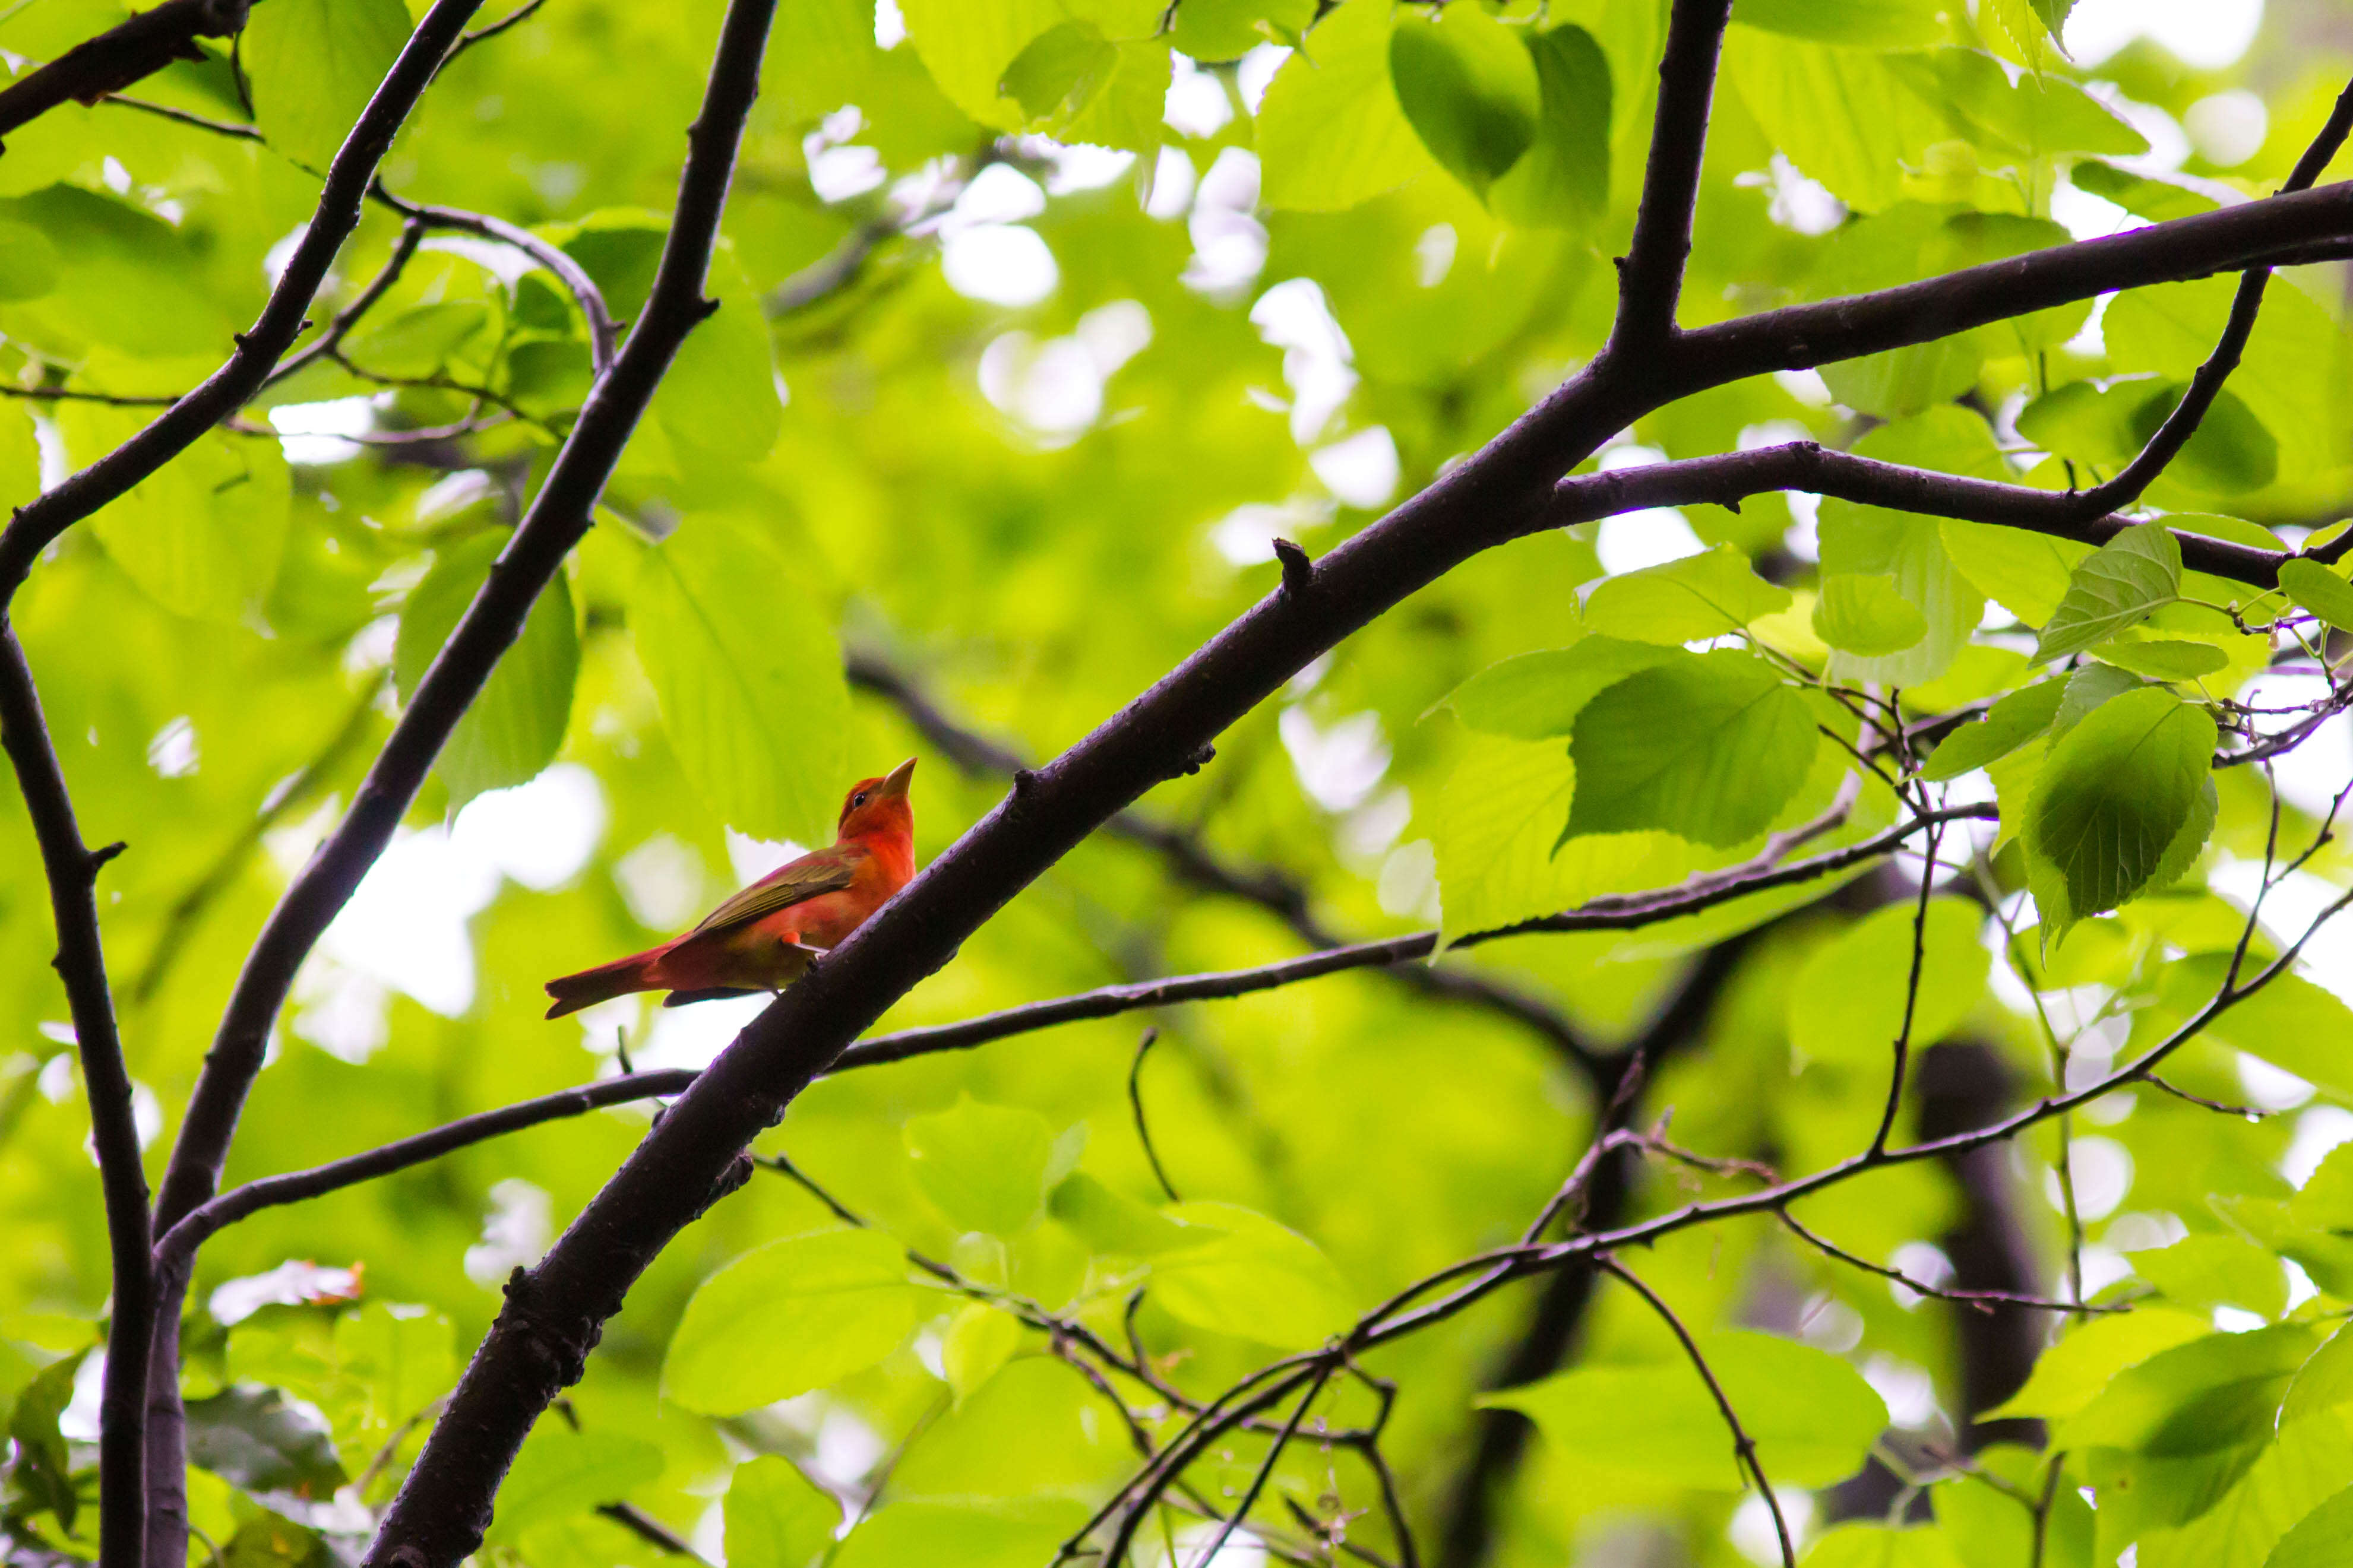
(1143, 1128)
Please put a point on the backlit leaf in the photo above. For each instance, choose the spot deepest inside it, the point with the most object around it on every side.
(2117, 586)
(1848, 1003)
(314, 65)
(984, 1165)
(788, 1317)
(1469, 87)
(2115, 791)
(1708, 747)
(1701, 595)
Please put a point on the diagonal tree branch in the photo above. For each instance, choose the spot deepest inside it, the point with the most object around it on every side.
(38, 522)
(2182, 421)
(72, 871)
(1650, 274)
(570, 273)
(555, 1311)
(1191, 861)
(128, 52)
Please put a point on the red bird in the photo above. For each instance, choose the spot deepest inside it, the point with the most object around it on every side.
(764, 938)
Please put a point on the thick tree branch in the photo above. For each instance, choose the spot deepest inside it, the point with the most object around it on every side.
(1727, 480)
(1801, 337)
(128, 52)
(38, 522)
(72, 871)
(2182, 421)
(1191, 861)
(1650, 274)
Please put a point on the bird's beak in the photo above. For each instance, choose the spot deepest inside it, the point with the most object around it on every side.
(894, 783)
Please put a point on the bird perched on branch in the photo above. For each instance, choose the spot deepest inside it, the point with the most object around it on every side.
(764, 938)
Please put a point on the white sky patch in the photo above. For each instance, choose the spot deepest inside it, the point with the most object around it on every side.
(661, 880)
(2320, 1129)
(2206, 33)
(1910, 1391)
(1433, 255)
(1339, 766)
(2294, 904)
(1246, 535)
(293, 1283)
(2086, 216)
(2269, 1088)
(1173, 180)
(539, 834)
(1051, 386)
(1318, 361)
(1081, 166)
(514, 1233)
(320, 433)
(1751, 1530)
(1256, 72)
(890, 26)
(1000, 264)
(2310, 775)
(2228, 128)
(344, 1012)
(1361, 469)
(1196, 103)
(752, 858)
(999, 194)
(174, 752)
(690, 1037)
(837, 170)
(1229, 243)
(2103, 1168)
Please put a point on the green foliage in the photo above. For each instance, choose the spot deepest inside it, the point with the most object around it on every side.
(2116, 793)
(1708, 746)
(818, 1308)
(1856, 995)
(314, 65)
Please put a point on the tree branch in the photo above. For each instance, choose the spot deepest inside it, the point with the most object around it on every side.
(570, 273)
(1650, 274)
(38, 522)
(1272, 889)
(1727, 480)
(72, 871)
(175, 1252)
(128, 52)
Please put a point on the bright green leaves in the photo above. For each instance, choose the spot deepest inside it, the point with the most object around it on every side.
(1709, 746)
(2319, 590)
(1867, 616)
(1253, 1278)
(1885, 23)
(1227, 29)
(1521, 118)
(1059, 71)
(204, 534)
(1331, 132)
(987, 1166)
(561, 1473)
(259, 1438)
(2007, 725)
(2117, 586)
(788, 1317)
(777, 1517)
(1702, 596)
(749, 678)
(1469, 88)
(314, 65)
(515, 727)
(2112, 801)
(1812, 1416)
(1848, 1002)
(1538, 695)
(719, 397)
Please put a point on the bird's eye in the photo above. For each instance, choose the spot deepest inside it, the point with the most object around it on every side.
(859, 799)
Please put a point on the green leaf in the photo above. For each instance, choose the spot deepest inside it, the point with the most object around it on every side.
(980, 1338)
(29, 264)
(561, 1473)
(1109, 1222)
(984, 1165)
(126, 280)
(912, 1534)
(1909, 549)
(1841, 115)
(2164, 659)
(2025, 574)
(2084, 422)
(1882, 23)
(1469, 87)
(777, 1517)
(2290, 1022)
(2115, 793)
(1563, 179)
(749, 678)
(2071, 1374)
(1709, 747)
(1060, 70)
(1331, 132)
(967, 48)
(2088, 686)
(314, 64)
(1228, 29)
(421, 340)
(2326, 1382)
(2231, 451)
(2006, 726)
(1847, 1005)
(256, 1437)
(788, 1317)
(516, 726)
(43, 1472)
(2319, 590)
(1867, 616)
(2321, 1539)
(2030, 116)
(2208, 1271)
(1812, 1416)
(204, 534)
(1537, 696)
(1250, 1277)
(2288, 1478)
(719, 399)
(1858, 1546)
(2208, 1395)
(1702, 596)
(2118, 585)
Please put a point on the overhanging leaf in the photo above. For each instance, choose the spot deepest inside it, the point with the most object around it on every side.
(1709, 746)
(2113, 796)
(1469, 87)
(2116, 586)
(788, 1317)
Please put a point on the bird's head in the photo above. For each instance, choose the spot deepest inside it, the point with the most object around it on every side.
(880, 804)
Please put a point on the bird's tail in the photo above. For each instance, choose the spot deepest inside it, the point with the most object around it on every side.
(606, 980)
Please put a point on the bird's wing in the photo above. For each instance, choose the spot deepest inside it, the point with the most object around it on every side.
(798, 882)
